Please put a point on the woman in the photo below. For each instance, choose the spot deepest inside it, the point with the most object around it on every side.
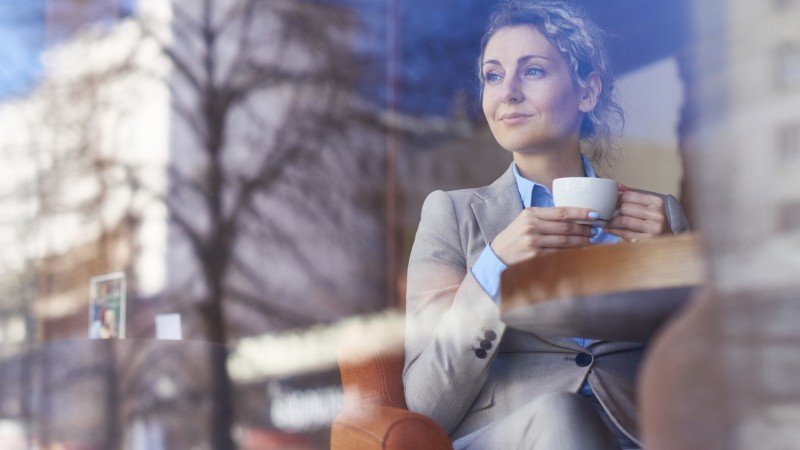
(546, 88)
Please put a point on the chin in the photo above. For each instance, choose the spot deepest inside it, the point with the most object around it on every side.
(530, 144)
(521, 145)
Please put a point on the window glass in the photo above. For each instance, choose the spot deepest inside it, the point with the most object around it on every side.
(788, 65)
(789, 141)
(781, 5)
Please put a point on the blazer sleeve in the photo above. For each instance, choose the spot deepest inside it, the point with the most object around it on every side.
(447, 314)
(675, 215)
(678, 222)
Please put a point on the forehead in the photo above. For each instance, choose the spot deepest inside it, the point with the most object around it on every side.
(510, 43)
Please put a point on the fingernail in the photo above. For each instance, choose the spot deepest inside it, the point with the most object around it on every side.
(595, 231)
(594, 215)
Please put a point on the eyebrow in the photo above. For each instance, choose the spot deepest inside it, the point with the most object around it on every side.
(521, 60)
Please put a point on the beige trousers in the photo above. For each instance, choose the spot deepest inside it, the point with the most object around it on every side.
(557, 421)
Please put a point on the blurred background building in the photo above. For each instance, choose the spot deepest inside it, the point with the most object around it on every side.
(742, 76)
(727, 387)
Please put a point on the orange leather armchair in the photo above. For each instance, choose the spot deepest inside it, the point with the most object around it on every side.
(375, 414)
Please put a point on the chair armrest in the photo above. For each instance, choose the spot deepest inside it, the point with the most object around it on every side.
(385, 427)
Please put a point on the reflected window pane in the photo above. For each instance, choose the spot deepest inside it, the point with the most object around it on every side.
(789, 142)
(781, 5)
(789, 217)
(788, 65)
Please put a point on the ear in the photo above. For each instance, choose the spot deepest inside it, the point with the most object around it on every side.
(590, 94)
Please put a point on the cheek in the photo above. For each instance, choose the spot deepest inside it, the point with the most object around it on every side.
(568, 103)
(557, 109)
(486, 105)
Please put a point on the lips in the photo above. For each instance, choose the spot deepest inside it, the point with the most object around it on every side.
(514, 118)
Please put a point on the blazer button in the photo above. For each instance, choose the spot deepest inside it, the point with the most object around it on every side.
(583, 359)
(480, 353)
(486, 345)
(490, 335)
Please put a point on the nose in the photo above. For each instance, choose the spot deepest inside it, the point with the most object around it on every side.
(511, 91)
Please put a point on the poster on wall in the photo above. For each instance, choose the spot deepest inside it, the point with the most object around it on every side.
(107, 307)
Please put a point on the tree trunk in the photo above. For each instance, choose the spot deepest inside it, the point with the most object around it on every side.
(113, 429)
(222, 414)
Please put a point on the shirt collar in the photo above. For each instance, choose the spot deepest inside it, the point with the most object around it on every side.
(527, 187)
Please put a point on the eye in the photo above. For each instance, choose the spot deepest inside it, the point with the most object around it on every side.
(492, 77)
(534, 72)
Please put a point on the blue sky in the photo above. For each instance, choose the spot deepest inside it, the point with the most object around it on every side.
(437, 47)
(438, 44)
(22, 37)
(22, 34)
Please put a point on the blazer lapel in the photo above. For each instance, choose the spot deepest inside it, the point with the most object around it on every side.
(495, 206)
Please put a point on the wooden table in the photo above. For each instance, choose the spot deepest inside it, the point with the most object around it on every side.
(621, 292)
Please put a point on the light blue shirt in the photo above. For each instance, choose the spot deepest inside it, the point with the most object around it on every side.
(488, 267)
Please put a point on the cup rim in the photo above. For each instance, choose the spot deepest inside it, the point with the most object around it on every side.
(598, 179)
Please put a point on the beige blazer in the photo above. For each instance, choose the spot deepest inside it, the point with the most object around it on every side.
(448, 314)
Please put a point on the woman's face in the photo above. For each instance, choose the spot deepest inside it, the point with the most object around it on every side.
(529, 98)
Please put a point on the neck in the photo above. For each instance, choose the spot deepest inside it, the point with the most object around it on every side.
(543, 168)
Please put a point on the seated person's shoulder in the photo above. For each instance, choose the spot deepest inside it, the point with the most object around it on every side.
(446, 208)
(457, 199)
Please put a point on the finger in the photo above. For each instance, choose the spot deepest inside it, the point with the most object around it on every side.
(553, 241)
(627, 235)
(641, 212)
(652, 227)
(630, 223)
(622, 188)
(562, 213)
(641, 198)
(562, 228)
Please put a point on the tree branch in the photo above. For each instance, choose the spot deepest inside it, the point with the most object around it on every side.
(183, 66)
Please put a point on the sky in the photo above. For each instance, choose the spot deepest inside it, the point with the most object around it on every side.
(22, 35)
(22, 32)
(435, 48)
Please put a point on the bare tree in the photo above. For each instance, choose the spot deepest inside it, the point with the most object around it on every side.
(285, 161)
(266, 108)
(274, 192)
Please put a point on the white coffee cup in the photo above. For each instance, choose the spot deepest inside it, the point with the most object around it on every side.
(597, 194)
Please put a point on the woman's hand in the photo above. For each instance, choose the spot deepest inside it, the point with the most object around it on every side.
(541, 230)
(641, 216)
